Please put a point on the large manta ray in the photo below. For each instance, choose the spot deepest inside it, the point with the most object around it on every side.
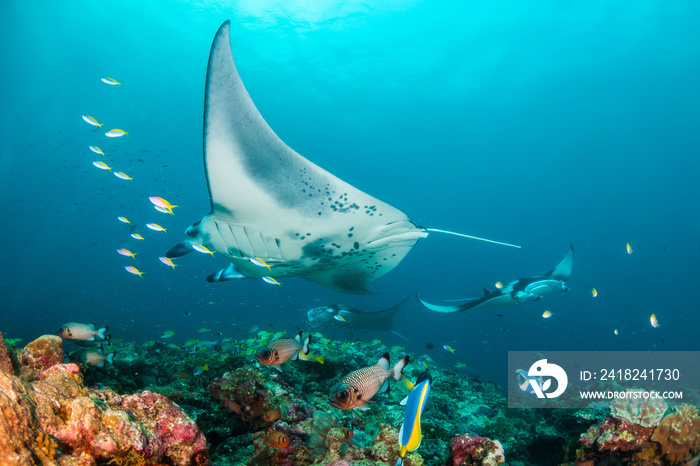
(274, 213)
(270, 203)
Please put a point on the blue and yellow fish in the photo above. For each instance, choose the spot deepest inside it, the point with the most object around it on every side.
(410, 433)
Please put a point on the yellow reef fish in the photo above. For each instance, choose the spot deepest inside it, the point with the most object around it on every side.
(201, 369)
(116, 133)
(204, 330)
(259, 262)
(123, 219)
(90, 120)
(615, 331)
(594, 292)
(137, 236)
(448, 348)
(167, 334)
(122, 175)
(629, 249)
(167, 261)
(162, 205)
(96, 150)
(311, 357)
(101, 165)
(111, 81)
(134, 270)
(499, 285)
(202, 249)
(155, 227)
(654, 321)
(126, 252)
(547, 314)
(271, 281)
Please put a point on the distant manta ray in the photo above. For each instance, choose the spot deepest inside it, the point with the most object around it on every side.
(518, 291)
(276, 214)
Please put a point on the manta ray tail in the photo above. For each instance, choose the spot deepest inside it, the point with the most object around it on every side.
(472, 237)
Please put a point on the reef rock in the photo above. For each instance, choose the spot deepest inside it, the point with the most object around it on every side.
(5, 359)
(57, 420)
(474, 450)
(39, 355)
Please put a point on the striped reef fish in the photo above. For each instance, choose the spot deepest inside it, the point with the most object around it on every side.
(279, 351)
(357, 388)
(410, 433)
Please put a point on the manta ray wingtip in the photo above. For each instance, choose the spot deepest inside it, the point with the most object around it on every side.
(563, 269)
(179, 250)
(229, 273)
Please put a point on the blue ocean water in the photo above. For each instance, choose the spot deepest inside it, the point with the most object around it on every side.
(543, 124)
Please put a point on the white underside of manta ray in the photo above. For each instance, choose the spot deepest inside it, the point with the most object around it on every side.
(270, 204)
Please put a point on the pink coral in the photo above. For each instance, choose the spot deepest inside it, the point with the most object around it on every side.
(618, 435)
(472, 449)
(90, 425)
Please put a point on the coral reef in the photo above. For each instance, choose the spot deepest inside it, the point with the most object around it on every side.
(679, 433)
(5, 358)
(474, 450)
(638, 409)
(228, 405)
(49, 416)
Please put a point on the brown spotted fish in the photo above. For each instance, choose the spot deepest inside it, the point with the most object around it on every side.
(81, 332)
(357, 388)
(279, 351)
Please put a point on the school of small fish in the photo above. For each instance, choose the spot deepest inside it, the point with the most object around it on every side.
(159, 203)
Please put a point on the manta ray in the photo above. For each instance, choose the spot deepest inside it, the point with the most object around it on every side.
(276, 214)
(349, 317)
(517, 291)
